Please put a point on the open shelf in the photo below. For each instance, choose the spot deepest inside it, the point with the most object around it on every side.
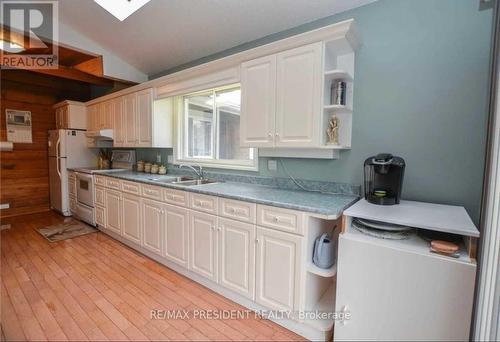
(322, 272)
(337, 109)
(325, 304)
(337, 74)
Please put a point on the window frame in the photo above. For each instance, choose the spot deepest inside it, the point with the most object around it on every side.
(179, 151)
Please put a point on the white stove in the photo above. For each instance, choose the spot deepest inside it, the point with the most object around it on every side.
(122, 160)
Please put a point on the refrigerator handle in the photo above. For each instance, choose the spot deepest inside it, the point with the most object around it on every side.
(58, 148)
(58, 167)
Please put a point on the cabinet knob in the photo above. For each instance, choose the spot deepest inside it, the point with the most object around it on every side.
(220, 228)
(270, 134)
(256, 240)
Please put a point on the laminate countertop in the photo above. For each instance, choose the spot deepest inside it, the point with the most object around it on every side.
(324, 205)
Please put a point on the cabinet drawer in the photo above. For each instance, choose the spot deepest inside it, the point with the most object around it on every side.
(278, 218)
(204, 203)
(100, 216)
(131, 187)
(113, 183)
(100, 180)
(150, 191)
(99, 196)
(176, 197)
(237, 210)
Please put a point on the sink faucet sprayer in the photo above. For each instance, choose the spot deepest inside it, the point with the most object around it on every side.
(198, 173)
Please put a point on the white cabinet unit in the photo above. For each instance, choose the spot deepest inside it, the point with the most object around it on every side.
(118, 122)
(258, 102)
(131, 218)
(143, 120)
(237, 256)
(393, 294)
(281, 99)
(71, 115)
(298, 99)
(113, 211)
(203, 257)
(129, 119)
(152, 225)
(176, 234)
(277, 269)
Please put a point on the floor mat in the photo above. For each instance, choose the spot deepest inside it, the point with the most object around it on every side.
(66, 230)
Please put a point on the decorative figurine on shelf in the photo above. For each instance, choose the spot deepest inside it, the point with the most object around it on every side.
(333, 130)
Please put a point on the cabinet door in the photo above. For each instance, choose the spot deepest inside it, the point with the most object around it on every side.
(144, 116)
(258, 102)
(237, 251)
(106, 114)
(58, 118)
(277, 269)
(152, 225)
(397, 294)
(298, 101)
(129, 117)
(92, 117)
(203, 237)
(118, 132)
(131, 214)
(176, 234)
(113, 210)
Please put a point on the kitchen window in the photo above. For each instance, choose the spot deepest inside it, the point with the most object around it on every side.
(210, 130)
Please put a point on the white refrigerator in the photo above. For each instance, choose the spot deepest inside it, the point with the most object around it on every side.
(67, 149)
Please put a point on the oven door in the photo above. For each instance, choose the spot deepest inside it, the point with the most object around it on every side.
(85, 189)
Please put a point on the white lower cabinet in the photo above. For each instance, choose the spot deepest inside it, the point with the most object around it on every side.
(237, 256)
(100, 216)
(131, 213)
(113, 210)
(277, 269)
(175, 240)
(152, 225)
(203, 244)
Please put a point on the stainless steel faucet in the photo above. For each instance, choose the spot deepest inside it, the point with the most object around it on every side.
(199, 172)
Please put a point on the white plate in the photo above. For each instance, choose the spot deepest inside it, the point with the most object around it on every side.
(383, 225)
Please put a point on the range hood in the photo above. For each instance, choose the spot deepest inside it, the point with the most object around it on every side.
(101, 134)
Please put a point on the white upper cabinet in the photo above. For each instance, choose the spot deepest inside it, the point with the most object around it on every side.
(144, 112)
(281, 99)
(136, 119)
(298, 97)
(71, 115)
(118, 132)
(258, 102)
(129, 117)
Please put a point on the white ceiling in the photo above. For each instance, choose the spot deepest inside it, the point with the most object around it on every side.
(167, 33)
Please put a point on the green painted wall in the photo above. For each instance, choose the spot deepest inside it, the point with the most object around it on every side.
(421, 85)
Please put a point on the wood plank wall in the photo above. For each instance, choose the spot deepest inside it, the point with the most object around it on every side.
(24, 181)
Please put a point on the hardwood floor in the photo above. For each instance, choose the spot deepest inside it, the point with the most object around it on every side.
(95, 288)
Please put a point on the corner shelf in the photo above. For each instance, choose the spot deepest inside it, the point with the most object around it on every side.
(337, 109)
(337, 74)
(325, 304)
(322, 272)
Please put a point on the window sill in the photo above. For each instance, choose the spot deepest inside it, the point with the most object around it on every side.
(217, 165)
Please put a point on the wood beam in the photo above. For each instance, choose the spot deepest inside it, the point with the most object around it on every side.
(74, 74)
(93, 66)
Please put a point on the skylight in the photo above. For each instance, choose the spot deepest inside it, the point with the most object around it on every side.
(121, 9)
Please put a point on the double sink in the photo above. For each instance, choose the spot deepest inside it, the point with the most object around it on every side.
(183, 180)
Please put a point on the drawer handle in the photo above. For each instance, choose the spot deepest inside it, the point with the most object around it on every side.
(231, 210)
(276, 219)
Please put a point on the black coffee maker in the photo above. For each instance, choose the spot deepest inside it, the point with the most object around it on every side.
(384, 179)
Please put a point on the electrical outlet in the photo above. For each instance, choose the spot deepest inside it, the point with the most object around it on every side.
(5, 206)
(170, 159)
(158, 157)
(272, 165)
